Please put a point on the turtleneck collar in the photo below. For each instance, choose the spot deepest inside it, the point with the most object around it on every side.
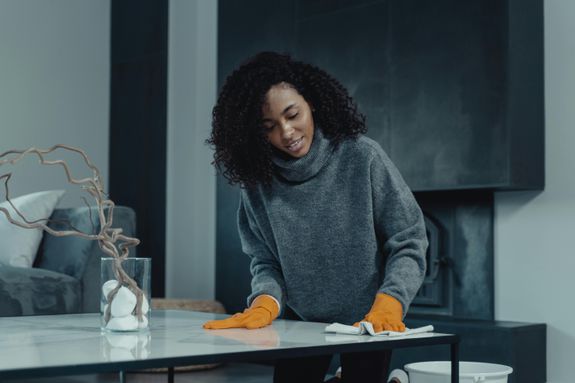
(306, 167)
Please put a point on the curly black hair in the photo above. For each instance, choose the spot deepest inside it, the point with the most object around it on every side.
(242, 152)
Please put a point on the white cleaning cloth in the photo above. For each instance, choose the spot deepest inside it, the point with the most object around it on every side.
(367, 328)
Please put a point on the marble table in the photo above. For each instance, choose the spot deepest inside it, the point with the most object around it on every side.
(34, 346)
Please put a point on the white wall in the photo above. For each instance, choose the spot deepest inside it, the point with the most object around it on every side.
(54, 87)
(191, 182)
(534, 232)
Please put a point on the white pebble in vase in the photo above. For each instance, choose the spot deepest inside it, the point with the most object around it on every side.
(123, 303)
(143, 323)
(145, 305)
(126, 323)
(109, 286)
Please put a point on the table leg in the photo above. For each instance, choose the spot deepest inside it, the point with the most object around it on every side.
(122, 376)
(170, 374)
(455, 362)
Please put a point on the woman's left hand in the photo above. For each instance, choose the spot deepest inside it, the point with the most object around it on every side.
(385, 314)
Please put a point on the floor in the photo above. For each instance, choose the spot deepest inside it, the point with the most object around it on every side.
(228, 373)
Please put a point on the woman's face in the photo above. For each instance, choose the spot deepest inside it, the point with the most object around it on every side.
(287, 120)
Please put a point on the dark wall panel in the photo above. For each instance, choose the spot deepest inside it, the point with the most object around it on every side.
(138, 123)
(242, 32)
(350, 43)
(452, 90)
(525, 101)
(448, 93)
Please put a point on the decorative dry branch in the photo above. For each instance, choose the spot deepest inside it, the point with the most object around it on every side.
(111, 240)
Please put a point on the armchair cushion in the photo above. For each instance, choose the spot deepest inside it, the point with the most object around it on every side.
(79, 257)
(69, 255)
(32, 291)
(66, 276)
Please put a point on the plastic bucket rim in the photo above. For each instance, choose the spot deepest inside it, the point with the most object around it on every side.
(409, 368)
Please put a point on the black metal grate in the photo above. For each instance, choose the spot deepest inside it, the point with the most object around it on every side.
(434, 294)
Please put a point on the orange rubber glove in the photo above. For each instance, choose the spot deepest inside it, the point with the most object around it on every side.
(261, 313)
(386, 314)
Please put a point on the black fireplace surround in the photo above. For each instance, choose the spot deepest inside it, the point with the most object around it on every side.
(453, 91)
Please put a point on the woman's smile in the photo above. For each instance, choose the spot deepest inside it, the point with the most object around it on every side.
(296, 145)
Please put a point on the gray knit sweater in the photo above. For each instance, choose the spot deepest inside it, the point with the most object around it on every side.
(335, 227)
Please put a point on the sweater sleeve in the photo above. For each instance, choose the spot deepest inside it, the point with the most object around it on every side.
(401, 231)
(267, 277)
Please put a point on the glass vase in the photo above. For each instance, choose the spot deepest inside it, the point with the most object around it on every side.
(125, 294)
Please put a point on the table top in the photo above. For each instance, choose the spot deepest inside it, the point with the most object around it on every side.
(74, 344)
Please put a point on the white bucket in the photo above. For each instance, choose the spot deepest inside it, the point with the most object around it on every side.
(469, 372)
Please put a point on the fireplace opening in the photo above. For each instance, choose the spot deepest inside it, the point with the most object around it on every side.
(459, 277)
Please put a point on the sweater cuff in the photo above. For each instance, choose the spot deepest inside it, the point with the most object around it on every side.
(275, 300)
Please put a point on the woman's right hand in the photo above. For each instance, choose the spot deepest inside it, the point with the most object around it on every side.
(263, 310)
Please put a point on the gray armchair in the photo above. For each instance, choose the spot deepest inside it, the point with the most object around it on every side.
(66, 274)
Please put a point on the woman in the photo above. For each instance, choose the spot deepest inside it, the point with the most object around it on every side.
(333, 232)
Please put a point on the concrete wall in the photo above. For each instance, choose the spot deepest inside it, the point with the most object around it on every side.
(190, 215)
(54, 87)
(534, 255)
